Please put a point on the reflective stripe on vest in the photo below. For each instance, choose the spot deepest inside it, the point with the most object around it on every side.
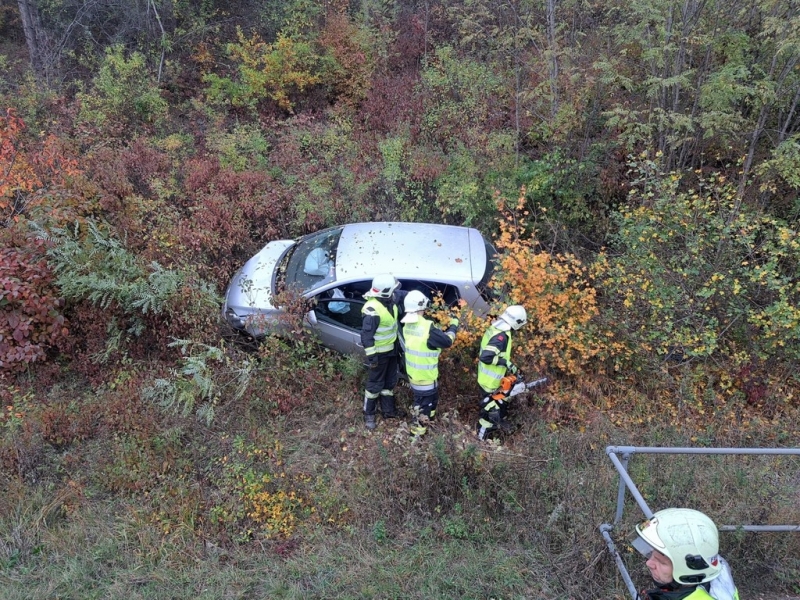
(422, 363)
(699, 594)
(489, 376)
(386, 334)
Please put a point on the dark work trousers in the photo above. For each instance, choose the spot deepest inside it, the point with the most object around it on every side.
(381, 380)
(492, 415)
(426, 401)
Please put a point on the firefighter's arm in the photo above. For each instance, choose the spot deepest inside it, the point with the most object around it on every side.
(491, 353)
(369, 325)
(438, 339)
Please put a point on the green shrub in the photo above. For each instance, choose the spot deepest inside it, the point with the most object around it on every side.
(698, 274)
(245, 147)
(123, 96)
(264, 72)
(206, 373)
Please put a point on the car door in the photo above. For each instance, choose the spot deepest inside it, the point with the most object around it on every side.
(337, 323)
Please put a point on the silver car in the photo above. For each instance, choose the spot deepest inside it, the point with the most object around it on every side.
(333, 268)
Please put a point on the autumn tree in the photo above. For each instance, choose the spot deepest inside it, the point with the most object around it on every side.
(558, 292)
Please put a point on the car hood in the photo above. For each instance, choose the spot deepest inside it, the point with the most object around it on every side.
(250, 290)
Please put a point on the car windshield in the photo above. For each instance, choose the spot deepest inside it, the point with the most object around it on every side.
(311, 261)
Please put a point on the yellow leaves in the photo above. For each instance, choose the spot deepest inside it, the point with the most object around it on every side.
(266, 496)
(272, 70)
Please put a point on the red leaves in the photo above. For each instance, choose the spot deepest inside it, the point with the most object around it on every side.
(30, 319)
(16, 174)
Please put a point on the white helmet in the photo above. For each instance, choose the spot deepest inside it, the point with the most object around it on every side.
(383, 286)
(515, 316)
(413, 304)
(415, 301)
(688, 538)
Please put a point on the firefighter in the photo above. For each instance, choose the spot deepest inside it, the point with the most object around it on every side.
(422, 344)
(379, 338)
(494, 362)
(682, 550)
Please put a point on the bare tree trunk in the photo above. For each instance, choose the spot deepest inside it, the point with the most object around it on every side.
(785, 129)
(766, 107)
(32, 26)
(551, 42)
(163, 40)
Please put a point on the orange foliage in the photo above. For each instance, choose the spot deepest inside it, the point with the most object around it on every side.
(557, 292)
(17, 175)
(23, 174)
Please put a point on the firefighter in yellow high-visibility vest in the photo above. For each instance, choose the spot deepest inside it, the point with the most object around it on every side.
(422, 344)
(494, 362)
(682, 550)
(379, 339)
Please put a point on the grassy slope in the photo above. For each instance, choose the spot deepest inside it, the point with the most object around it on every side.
(443, 518)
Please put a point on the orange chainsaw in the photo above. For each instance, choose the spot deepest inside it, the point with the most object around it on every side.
(514, 385)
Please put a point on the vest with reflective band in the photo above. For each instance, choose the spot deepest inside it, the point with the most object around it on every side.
(422, 363)
(489, 376)
(386, 334)
(699, 593)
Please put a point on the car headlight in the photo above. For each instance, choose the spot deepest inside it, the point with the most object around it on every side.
(233, 319)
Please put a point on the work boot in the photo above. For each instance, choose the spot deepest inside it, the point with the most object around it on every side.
(369, 421)
(484, 429)
(419, 423)
(489, 423)
(389, 409)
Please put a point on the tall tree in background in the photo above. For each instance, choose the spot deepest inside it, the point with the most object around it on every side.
(777, 81)
(58, 29)
(711, 82)
(34, 32)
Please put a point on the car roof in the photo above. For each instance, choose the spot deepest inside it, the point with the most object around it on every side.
(410, 251)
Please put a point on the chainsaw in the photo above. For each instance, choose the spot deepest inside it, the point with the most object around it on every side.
(513, 385)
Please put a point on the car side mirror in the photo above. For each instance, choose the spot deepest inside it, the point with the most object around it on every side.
(311, 317)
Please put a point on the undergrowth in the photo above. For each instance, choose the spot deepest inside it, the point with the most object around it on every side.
(306, 503)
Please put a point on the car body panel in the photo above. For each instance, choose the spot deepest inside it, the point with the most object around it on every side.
(249, 294)
(403, 249)
(335, 332)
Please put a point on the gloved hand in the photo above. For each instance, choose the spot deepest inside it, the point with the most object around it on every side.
(512, 368)
(454, 322)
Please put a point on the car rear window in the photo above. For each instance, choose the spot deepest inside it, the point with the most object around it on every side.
(486, 292)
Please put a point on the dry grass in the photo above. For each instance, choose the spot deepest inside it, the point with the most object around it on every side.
(383, 516)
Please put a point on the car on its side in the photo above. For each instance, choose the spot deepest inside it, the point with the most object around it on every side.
(333, 268)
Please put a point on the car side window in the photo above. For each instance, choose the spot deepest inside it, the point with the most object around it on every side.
(341, 311)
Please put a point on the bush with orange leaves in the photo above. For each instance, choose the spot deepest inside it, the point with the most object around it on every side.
(563, 331)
